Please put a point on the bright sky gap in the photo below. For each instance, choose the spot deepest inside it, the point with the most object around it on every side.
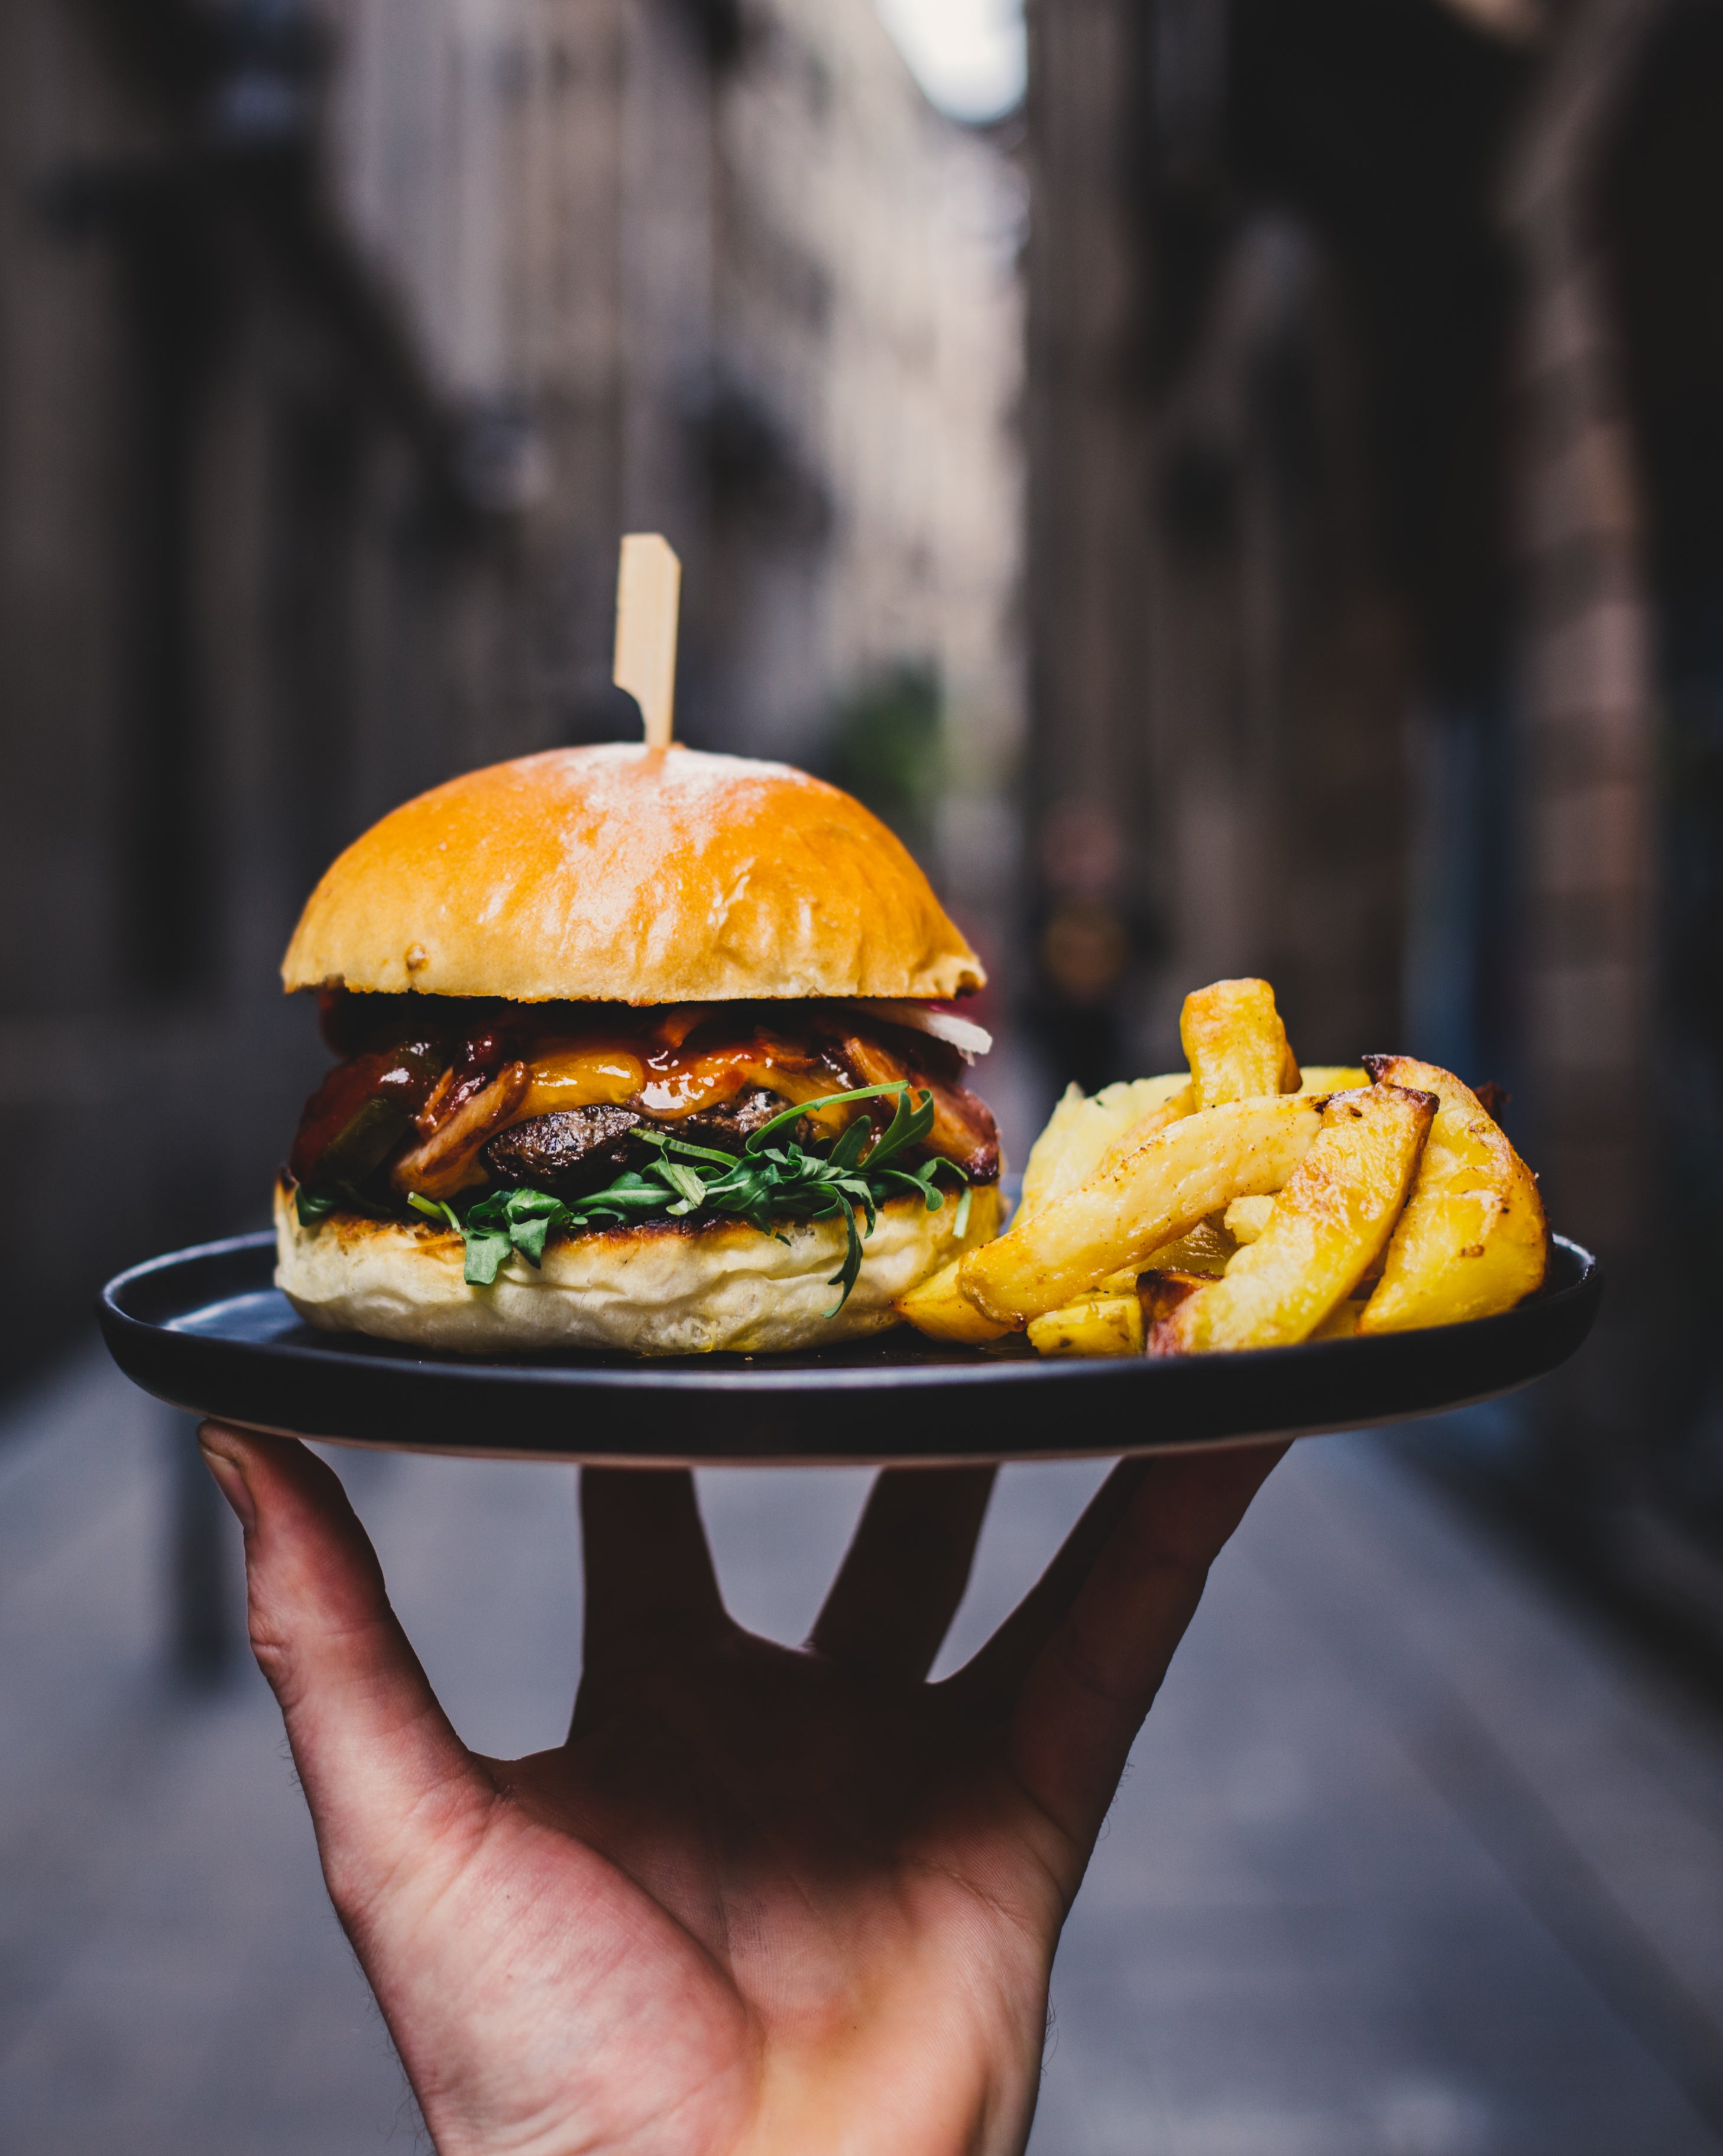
(969, 55)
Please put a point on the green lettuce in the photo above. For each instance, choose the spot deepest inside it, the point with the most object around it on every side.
(766, 1183)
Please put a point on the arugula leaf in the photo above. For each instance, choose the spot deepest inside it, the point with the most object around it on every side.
(485, 1258)
(434, 1209)
(529, 1236)
(690, 1189)
(908, 1127)
(851, 1270)
(764, 1184)
(756, 1139)
(681, 1146)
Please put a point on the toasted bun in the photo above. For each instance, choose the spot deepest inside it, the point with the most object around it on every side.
(627, 875)
(664, 1289)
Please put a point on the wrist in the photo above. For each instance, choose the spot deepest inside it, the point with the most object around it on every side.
(869, 2096)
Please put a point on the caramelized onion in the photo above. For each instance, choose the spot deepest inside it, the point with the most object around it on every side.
(964, 1129)
(447, 1161)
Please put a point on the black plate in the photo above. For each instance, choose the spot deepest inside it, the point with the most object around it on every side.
(207, 1330)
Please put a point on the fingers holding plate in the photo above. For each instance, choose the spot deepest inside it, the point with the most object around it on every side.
(905, 1572)
(995, 1673)
(648, 1567)
(1083, 1696)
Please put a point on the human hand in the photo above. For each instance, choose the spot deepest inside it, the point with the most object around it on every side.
(762, 1902)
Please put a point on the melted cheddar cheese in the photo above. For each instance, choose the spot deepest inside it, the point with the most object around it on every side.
(579, 1078)
(666, 1082)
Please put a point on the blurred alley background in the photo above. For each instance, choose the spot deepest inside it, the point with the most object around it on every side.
(1236, 483)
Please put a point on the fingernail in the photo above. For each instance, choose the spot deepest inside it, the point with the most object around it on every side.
(230, 1481)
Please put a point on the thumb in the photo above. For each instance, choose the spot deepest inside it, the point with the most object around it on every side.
(379, 1764)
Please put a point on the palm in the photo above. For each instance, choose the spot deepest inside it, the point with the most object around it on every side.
(760, 1899)
(766, 1843)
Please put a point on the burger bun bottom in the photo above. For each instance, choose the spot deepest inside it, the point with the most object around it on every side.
(659, 1289)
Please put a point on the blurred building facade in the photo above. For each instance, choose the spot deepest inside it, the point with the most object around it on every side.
(1375, 386)
(337, 348)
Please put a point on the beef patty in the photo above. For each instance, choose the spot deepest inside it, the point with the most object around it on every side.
(573, 1151)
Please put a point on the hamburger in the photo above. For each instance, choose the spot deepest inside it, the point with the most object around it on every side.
(638, 1049)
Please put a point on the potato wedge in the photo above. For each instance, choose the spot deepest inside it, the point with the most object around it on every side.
(1341, 1322)
(1330, 1223)
(1145, 1199)
(1247, 1218)
(1172, 1110)
(938, 1308)
(1082, 1129)
(1235, 1043)
(1045, 1154)
(1472, 1238)
(1333, 1078)
(1092, 1325)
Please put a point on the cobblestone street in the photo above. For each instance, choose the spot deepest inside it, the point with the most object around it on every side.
(1413, 1861)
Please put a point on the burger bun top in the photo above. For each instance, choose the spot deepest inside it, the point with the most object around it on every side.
(622, 874)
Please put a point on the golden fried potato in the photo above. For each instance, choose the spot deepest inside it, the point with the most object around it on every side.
(1333, 1078)
(1142, 1200)
(1472, 1238)
(938, 1308)
(1045, 1154)
(1341, 1322)
(1337, 1210)
(1092, 1325)
(1246, 1218)
(1082, 1129)
(1236, 1044)
(1172, 1110)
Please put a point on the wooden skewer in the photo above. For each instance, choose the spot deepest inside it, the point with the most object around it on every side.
(649, 590)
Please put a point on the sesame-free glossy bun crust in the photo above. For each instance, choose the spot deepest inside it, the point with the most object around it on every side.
(662, 1290)
(628, 874)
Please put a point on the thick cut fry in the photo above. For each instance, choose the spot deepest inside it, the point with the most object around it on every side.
(1094, 1325)
(940, 1310)
(1247, 1217)
(1341, 1322)
(1329, 1222)
(1172, 1110)
(1141, 1201)
(1082, 1128)
(1333, 1078)
(1472, 1238)
(1236, 1044)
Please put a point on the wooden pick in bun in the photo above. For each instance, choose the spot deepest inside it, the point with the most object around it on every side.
(592, 1007)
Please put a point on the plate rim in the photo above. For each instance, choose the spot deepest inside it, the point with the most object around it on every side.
(769, 1375)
